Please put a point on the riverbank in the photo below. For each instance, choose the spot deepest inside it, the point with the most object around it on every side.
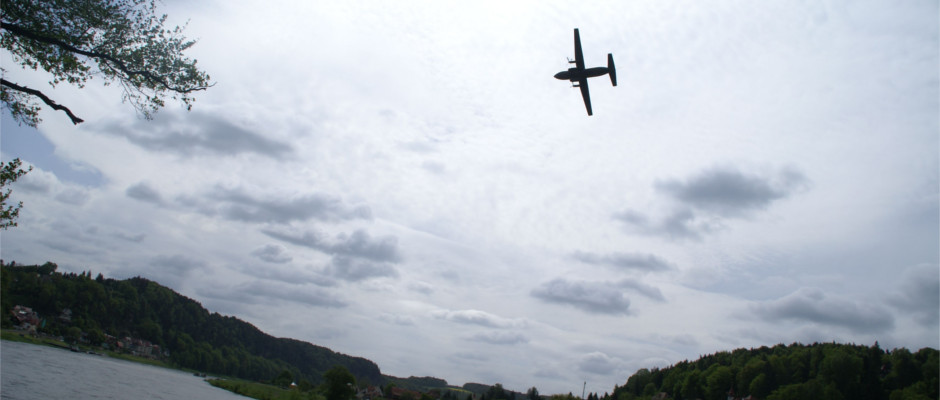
(23, 337)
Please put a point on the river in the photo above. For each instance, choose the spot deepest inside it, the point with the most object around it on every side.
(29, 371)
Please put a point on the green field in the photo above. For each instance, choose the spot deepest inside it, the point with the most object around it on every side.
(20, 336)
(262, 391)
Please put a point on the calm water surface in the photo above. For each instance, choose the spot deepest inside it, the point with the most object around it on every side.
(29, 371)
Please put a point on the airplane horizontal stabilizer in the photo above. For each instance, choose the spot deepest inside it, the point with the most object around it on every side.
(611, 69)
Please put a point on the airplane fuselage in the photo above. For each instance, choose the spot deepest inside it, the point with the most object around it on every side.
(575, 74)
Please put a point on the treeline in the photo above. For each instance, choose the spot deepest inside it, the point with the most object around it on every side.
(494, 392)
(140, 308)
(469, 391)
(419, 384)
(825, 371)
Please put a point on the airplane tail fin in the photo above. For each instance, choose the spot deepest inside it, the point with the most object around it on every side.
(611, 69)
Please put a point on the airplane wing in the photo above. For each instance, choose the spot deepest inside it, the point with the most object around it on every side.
(578, 57)
(585, 94)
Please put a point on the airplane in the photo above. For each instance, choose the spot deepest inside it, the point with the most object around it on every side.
(579, 75)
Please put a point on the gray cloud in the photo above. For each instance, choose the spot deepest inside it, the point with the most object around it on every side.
(476, 317)
(433, 167)
(633, 261)
(129, 237)
(353, 270)
(402, 320)
(305, 295)
(550, 373)
(272, 253)
(73, 196)
(729, 192)
(682, 224)
(686, 224)
(812, 305)
(472, 356)
(286, 273)
(199, 133)
(69, 248)
(176, 264)
(360, 244)
(642, 288)
(237, 205)
(500, 338)
(711, 196)
(262, 292)
(686, 340)
(421, 287)
(919, 294)
(144, 192)
(598, 363)
(595, 297)
(170, 270)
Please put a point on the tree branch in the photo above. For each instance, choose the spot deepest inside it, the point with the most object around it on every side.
(45, 99)
(19, 31)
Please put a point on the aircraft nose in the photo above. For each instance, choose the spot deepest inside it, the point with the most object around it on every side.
(560, 75)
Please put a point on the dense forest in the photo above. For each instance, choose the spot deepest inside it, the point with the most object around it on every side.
(825, 371)
(140, 308)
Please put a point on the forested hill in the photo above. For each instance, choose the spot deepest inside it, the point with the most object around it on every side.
(804, 372)
(143, 309)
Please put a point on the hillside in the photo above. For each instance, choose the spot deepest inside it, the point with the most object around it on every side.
(178, 326)
(797, 371)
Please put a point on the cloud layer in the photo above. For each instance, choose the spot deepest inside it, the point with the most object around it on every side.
(421, 192)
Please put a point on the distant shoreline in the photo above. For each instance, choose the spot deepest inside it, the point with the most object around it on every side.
(14, 335)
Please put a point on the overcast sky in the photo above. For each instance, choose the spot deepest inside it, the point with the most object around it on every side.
(407, 182)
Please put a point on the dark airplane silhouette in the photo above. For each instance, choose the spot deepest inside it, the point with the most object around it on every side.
(579, 75)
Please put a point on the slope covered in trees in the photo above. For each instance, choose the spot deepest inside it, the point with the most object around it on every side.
(806, 372)
(143, 309)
